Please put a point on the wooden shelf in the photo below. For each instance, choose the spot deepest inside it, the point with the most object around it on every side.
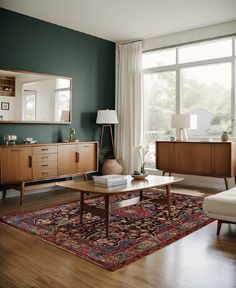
(7, 86)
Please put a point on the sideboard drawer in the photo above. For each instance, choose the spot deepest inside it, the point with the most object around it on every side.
(44, 173)
(44, 149)
(44, 165)
(45, 157)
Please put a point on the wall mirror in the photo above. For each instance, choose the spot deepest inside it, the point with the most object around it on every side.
(27, 97)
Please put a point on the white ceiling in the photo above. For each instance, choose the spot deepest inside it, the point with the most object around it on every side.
(123, 20)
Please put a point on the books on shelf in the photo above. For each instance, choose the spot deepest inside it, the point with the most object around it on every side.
(110, 180)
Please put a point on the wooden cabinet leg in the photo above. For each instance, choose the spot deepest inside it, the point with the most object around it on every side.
(219, 222)
(163, 173)
(107, 214)
(226, 183)
(22, 191)
(235, 180)
(4, 191)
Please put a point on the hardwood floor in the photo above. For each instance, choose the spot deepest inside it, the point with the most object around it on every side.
(199, 260)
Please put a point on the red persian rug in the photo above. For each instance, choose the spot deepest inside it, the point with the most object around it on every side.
(136, 230)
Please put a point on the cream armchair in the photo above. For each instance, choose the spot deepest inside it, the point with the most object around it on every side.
(222, 207)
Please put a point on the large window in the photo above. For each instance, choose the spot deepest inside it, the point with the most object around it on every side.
(197, 78)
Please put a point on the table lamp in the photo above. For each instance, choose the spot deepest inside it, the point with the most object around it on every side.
(106, 118)
(182, 122)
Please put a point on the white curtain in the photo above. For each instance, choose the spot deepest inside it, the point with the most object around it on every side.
(128, 104)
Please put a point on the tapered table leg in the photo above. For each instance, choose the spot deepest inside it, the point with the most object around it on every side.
(22, 192)
(168, 198)
(107, 214)
(81, 206)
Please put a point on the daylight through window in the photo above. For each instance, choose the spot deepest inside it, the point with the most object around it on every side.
(197, 78)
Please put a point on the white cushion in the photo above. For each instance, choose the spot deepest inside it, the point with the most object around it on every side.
(222, 205)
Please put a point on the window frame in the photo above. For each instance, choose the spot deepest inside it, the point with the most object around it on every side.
(178, 66)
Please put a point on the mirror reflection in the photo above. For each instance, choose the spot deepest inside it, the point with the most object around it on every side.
(31, 97)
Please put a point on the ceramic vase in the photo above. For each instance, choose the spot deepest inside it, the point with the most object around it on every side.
(224, 136)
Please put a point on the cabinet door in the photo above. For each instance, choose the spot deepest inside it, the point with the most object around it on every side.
(16, 163)
(164, 156)
(221, 160)
(201, 158)
(67, 159)
(192, 158)
(87, 161)
(182, 157)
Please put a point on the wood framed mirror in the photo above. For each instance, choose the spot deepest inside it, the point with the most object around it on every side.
(27, 97)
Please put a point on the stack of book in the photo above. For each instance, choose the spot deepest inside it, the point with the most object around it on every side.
(110, 180)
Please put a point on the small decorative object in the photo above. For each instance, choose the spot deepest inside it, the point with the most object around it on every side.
(143, 149)
(227, 132)
(172, 138)
(29, 140)
(112, 166)
(225, 136)
(72, 135)
(5, 105)
(10, 139)
(139, 176)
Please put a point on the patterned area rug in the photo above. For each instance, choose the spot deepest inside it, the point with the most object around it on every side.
(136, 230)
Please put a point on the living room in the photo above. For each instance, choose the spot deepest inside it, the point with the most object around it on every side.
(150, 64)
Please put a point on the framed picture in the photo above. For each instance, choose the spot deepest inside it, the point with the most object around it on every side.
(5, 105)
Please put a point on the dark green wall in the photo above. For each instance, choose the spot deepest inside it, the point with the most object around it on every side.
(33, 45)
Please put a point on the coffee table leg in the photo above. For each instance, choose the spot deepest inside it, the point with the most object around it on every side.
(168, 198)
(81, 206)
(141, 195)
(107, 214)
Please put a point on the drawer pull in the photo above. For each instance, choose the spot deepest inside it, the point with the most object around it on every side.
(30, 161)
(76, 157)
(44, 173)
(44, 149)
(44, 165)
(15, 150)
(44, 157)
(86, 146)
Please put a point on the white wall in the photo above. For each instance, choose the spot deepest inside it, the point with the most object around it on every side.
(212, 31)
(44, 98)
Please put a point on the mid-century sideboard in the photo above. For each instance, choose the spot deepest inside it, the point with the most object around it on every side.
(31, 166)
(213, 159)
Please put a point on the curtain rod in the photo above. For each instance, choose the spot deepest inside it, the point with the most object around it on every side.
(130, 42)
(190, 42)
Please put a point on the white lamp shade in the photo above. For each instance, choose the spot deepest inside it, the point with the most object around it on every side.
(107, 117)
(184, 121)
(65, 115)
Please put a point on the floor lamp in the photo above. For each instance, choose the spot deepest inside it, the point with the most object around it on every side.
(106, 118)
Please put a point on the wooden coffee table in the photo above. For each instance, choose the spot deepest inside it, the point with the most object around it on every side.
(151, 181)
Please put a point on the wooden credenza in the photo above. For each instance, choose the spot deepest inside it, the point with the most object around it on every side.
(213, 159)
(24, 166)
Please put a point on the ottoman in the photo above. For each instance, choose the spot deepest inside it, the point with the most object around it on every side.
(221, 206)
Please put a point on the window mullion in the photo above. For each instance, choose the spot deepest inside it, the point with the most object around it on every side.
(177, 85)
(233, 91)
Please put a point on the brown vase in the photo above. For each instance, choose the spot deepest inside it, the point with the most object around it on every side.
(112, 166)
